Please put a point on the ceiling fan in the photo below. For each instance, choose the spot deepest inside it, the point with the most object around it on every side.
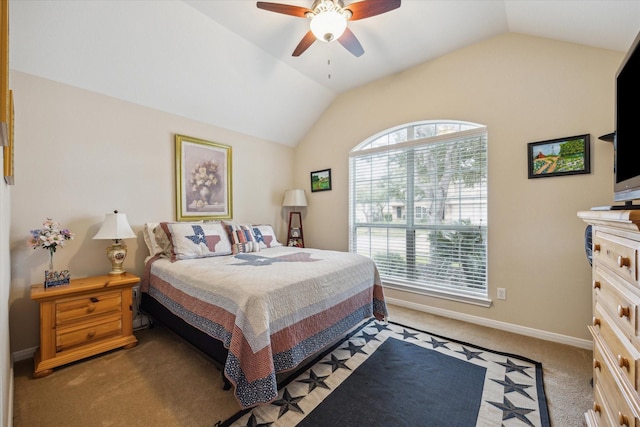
(329, 20)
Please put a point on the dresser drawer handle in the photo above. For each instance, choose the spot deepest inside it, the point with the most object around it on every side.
(623, 420)
(596, 247)
(596, 407)
(596, 364)
(623, 262)
(623, 311)
(595, 321)
(91, 333)
(596, 285)
(623, 362)
(91, 308)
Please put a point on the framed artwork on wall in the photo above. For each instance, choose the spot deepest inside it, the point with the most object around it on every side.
(557, 157)
(8, 149)
(321, 180)
(203, 179)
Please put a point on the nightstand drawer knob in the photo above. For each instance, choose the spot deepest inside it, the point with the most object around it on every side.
(91, 333)
(91, 308)
(596, 247)
(596, 364)
(596, 407)
(596, 284)
(595, 321)
(94, 299)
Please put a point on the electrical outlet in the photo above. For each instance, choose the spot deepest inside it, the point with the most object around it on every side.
(502, 293)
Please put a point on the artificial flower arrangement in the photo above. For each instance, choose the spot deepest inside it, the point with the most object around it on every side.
(203, 180)
(50, 237)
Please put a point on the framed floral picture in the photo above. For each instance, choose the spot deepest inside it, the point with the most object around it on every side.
(203, 179)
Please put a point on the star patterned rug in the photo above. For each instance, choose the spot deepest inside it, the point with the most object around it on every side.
(387, 374)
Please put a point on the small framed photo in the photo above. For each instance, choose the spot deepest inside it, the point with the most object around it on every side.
(321, 180)
(557, 157)
(203, 179)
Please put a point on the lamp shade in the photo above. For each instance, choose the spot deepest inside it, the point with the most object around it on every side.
(294, 198)
(115, 227)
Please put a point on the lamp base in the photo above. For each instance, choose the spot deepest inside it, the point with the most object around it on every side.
(117, 254)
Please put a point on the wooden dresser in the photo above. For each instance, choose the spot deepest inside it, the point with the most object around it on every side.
(87, 317)
(615, 329)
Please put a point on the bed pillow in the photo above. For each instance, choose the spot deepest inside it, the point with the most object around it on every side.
(265, 236)
(242, 238)
(189, 240)
(148, 233)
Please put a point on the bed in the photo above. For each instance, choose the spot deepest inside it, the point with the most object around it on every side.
(256, 307)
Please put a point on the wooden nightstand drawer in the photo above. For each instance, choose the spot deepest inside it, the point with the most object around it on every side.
(79, 308)
(87, 332)
(618, 254)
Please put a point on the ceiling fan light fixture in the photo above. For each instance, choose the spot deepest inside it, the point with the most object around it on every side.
(328, 25)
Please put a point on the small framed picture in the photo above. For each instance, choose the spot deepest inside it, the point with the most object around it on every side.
(321, 180)
(556, 157)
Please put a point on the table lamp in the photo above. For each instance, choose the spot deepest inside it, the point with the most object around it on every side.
(116, 228)
(295, 198)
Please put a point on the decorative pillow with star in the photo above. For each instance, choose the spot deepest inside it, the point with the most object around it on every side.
(242, 238)
(196, 240)
(265, 236)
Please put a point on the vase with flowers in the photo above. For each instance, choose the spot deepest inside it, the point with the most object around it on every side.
(50, 237)
(204, 180)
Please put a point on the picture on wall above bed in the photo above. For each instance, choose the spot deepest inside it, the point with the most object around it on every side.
(562, 156)
(203, 179)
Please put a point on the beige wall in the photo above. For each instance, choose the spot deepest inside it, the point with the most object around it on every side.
(80, 155)
(524, 89)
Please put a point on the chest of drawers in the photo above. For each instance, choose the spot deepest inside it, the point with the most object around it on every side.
(87, 317)
(614, 328)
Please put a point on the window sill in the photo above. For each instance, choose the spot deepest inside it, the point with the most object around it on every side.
(467, 299)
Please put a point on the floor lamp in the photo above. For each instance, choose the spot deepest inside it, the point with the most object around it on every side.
(294, 199)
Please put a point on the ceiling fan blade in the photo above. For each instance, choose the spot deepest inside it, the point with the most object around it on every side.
(351, 43)
(304, 44)
(286, 9)
(368, 8)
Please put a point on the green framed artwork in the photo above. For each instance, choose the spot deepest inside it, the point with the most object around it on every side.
(561, 156)
(321, 180)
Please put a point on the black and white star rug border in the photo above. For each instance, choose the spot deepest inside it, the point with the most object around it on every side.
(513, 393)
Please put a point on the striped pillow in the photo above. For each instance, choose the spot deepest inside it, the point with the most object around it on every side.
(242, 238)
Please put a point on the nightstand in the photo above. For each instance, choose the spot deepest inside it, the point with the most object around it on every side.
(84, 318)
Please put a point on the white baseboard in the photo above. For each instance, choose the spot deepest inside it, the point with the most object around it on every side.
(503, 326)
(10, 409)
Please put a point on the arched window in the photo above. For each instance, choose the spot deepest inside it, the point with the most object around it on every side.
(418, 207)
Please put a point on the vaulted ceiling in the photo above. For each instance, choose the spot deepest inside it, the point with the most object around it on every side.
(229, 64)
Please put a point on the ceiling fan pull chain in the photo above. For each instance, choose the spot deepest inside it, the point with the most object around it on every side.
(329, 61)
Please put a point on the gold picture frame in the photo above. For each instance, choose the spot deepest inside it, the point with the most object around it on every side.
(8, 149)
(203, 179)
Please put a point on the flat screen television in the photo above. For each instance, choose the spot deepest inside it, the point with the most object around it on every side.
(627, 132)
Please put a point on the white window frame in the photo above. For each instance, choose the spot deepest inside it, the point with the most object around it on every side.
(408, 238)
